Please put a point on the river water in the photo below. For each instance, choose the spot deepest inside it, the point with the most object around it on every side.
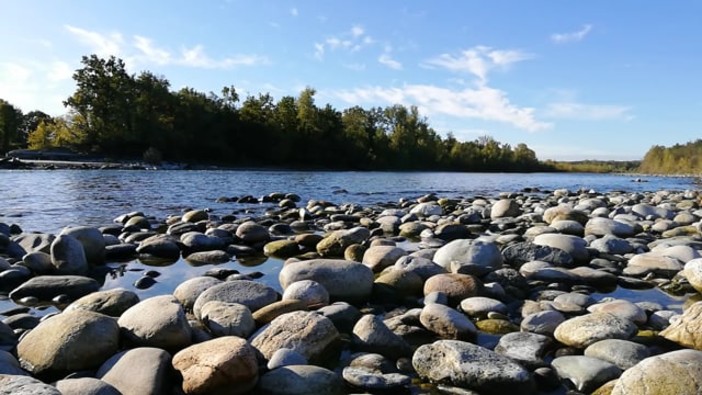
(46, 201)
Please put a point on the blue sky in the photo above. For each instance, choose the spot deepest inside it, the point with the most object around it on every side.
(573, 80)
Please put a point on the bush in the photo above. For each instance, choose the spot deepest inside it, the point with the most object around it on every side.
(153, 156)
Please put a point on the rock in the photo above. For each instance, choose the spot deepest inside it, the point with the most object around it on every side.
(70, 341)
(285, 357)
(622, 309)
(542, 322)
(519, 253)
(586, 373)
(599, 226)
(281, 248)
(68, 256)
(412, 229)
(447, 322)
(25, 385)
(194, 216)
(374, 373)
(344, 280)
(572, 302)
(496, 326)
(188, 291)
(309, 292)
(653, 262)
(468, 366)
(266, 314)
(111, 302)
(196, 241)
(371, 334)
(564, 212)
(646, 210)
(342, 314)
(8, 339)
(693, 272)
(505, 208)
(458, 253)
(610, 244)
(301, 380)
(226, 365)
(424, 267)
(687, 331)
(307, 333)
(455, 286)
(251, 294)
(573, 245)
(426, 209)
(10, 365)
(379, 257)
(582, 331)
(35, 242)
(480, 306)
(160, 246)
(227, 319)
(38, 262)
(675, 372)
(623, 353)
(85, 386)
(335, 244)
(91, 239)
(158, 321)
(139, 371)
(214, 257)
(526, 348)
(46, 288)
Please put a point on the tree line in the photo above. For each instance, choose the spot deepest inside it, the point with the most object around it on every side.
(677, 159)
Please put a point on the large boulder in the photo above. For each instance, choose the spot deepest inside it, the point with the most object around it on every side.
(226, 365)
(485, 256)
(462, 364)
(46, 288)
(91, 239)
(582, 331)
(158, 321)
(139, 371)
(307, 333)
(70, 341)
(687, 331)
(344, 280)
(251, 294)
(68, 256)
(676, 372)
(112, 302)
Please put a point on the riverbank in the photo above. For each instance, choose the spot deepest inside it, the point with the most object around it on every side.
(532, 292)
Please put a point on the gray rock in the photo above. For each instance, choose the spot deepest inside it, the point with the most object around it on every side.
(675, 372)
(227, 319)
(226, 365)
(111, 302)
(213, 257)
(310, 292)
(505, 208)
(447, 322)
(586, 373)
(196, 241)
(519, 253)
(610, 244)
(91, 239)
(693, 273)
(251, 294)
(160, 246)
(424, 267)
(25, 385)
(335, 244)
(480, 306)
(85, 386)
(458, 253)
(573, 245)
(344, 280)
(68, 256)
(342, 314)
(32, 242)
(158, 321)
(655, 263)
(46, 288)
(139, 371)
(8, 339)
(379, 257)
(38, 262)
(427, 209)
(524, 347)
(188, 291)
(623, 353)
(373, 372)
(307, 333)
(542, 322)
(301, 380)
(572, 302)
(10, 365)
(371, 334)
(70, 341)
(580, 332)
(466, 365)
(568, 227)
(623, 309)
(286, 357)
(604, 226)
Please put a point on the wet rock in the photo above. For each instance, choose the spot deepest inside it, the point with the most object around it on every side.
(158, 321)
(281, 248)
(335, 244)
(586, 373)
(455, 286)
(223, 365)
(91, 239)
(160, 246)
(68, 256)
(344, 280)
(70, 341)
(46, 288)
(139, 371)
(466, 365)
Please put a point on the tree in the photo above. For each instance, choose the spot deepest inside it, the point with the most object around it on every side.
(10, 121)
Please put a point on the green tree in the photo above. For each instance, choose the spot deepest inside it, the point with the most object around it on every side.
(10, 122)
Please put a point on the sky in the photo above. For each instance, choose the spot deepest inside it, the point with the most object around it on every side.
(595, 79)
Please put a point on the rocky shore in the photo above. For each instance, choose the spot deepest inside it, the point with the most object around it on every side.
(481, 295)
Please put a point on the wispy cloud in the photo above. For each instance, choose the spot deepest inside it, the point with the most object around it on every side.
(352, 40)
(588, 112)
(560, 38)
(483, 103)
(355, 66)
(143, 50)
(294, 11)
(33, 85)
(386, 60)
(479, 60)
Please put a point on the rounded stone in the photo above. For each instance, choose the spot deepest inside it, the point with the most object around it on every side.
(188, 291)
(582, 331)
(85, 386)
(158, 321)
(25, 385)
(344, 280)
(301, 380)
(622, 353)
(675, 372)
(251, 294)
(447, 322)
(455, 286)
(143, 370)
(307, 333)
(112, 302)
(228, 319)
(309, 292)
(480, 306)
(68, 256)
(91, 239)
(379, 257)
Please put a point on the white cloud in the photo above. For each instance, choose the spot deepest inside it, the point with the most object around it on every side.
(587, 112)
(102, 45)
(357, 31)
(294, 12)
(560, 38)
(32, 85)
(59, 71)
(483, 103)
(386, 60)
(318, 51)
(152, 53)
(196, 57)
(479, 60)
(352, 40)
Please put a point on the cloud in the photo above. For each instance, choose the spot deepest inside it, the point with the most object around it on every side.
(561, 38)
(483, 103)
(102, 45)
(479, 60)
(59, 71)
(355, 66)
(34, 85)
(587, 112)
(351, 41)
(142, 50)
(386, 60)
(294, 12)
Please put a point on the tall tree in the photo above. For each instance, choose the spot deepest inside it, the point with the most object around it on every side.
(10, 121)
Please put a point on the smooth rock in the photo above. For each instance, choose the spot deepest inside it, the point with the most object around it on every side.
(372, 335)
(68, 256)
(158, 321)
(676, 372)
(524, 347)
(111, 302)
(542, 322)
(139, 371)
(227, 319)
(623, 353)
(344, 280)
(301, 380)
(455, 286)
(286, 357)
(251, 294)
(623, 309)
(586, 373)
(309, 292)
(91, 239)
(582, 331)
(687, 331)
(447, 322)
(480, 306)
(573, 245)
(188, 291)
(25, 385)
(379, 257)
(458, 253)
(505, 208)
(85, 386)
(335, 244)
(307, 333)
